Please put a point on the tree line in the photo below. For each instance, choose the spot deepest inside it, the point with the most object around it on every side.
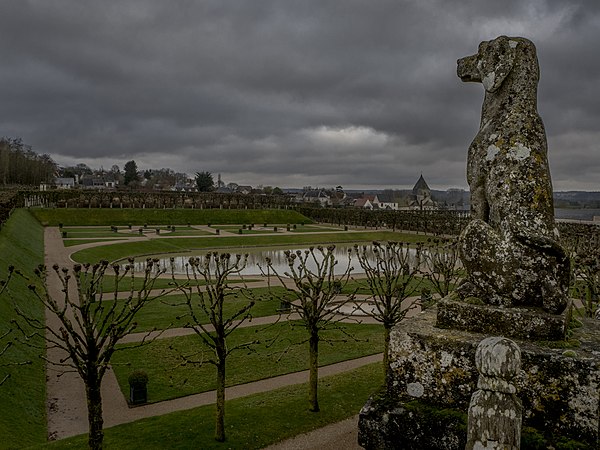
(20, 165)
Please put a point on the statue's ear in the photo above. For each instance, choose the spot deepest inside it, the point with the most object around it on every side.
(498, 61)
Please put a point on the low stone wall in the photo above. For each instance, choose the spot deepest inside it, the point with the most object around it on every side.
(434, 370)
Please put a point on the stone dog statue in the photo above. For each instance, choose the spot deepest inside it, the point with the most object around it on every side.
(510, 249)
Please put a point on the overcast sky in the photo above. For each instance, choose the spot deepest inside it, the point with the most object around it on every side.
(358, 93)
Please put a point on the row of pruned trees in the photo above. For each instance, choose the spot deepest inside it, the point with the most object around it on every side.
(153, 199)
(396, 277)
(89, 327)
(437, 222)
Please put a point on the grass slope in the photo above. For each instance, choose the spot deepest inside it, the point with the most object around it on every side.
(252, 422)
(22, 396)
(139, 217)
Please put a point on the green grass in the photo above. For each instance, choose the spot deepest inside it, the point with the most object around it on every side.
(361, 286)
(236, 229)
(73, 242)
(108, 284)
(89, 233)
(171, 311)
(170, 379)
(118, 251)
(22, 396)
(185, 231)
(116, 217)
(252, 422)
(314, 229)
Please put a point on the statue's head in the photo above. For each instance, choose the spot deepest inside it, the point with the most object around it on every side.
(496, 59)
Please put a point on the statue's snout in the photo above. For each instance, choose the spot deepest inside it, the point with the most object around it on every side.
(467, 70)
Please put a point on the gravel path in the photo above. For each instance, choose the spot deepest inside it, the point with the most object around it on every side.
(66, 403)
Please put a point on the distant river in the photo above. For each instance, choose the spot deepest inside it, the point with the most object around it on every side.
(576, 214)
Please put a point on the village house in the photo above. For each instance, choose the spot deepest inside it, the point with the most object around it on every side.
(59, 183)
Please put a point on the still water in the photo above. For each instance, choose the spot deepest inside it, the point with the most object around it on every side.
(257, 258)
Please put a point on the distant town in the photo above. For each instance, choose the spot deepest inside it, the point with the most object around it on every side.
(21, 166)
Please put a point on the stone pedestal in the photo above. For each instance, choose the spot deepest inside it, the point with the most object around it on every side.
(434, 375)
(521, 323)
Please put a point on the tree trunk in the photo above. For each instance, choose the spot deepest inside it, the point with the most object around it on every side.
(220, 413)
(314, 370)
(387, 371)
(95, 421)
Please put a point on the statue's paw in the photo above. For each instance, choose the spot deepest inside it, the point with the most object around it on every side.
(554, 300)
(466, 289)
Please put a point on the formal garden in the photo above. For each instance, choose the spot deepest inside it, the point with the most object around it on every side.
(178, 366)
(208, 327)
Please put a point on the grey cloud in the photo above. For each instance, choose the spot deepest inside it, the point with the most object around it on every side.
(234, 87)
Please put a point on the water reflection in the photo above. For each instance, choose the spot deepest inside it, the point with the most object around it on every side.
(257, 259)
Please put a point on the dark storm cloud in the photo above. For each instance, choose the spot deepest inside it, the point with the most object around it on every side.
(287, 93)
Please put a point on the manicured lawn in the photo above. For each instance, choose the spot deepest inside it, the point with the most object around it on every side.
(157, 246)
(252, 422)
(88, 232)
(108, 284)
(113, 216)
(361, 286)
(274, 355)
(23, 395)
(236, 229)
(315, 229)
(172, 312)
(73, 242)
(189, 231)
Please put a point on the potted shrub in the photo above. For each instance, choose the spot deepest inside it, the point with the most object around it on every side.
(138, 387)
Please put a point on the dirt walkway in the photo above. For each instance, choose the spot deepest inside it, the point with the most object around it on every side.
(66, 402)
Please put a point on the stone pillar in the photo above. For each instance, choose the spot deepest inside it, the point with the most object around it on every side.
(495, 412)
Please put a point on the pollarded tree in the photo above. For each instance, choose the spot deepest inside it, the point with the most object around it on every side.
(89, 327)
(207, 309)
(204, 182)
(315, 296)
(392, 274)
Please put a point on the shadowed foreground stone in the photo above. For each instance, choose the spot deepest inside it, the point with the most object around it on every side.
(434, 376)
(495, 412)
